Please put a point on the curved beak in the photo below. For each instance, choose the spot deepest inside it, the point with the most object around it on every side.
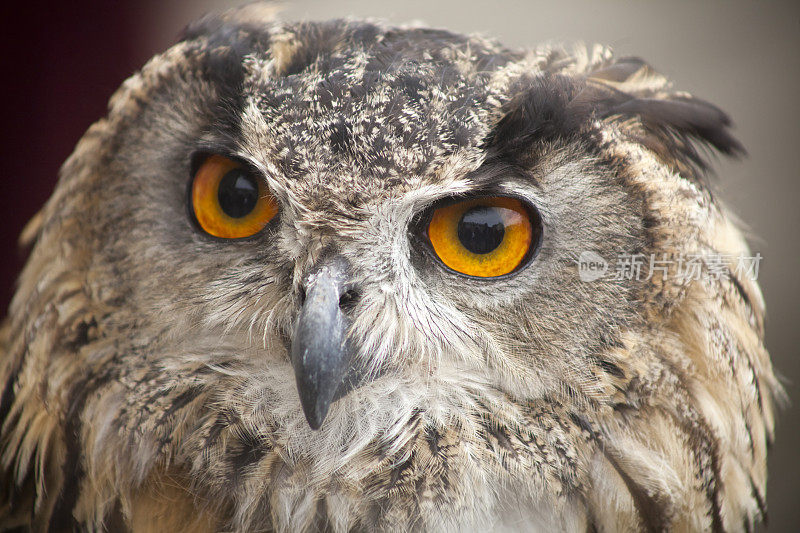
(320, 352)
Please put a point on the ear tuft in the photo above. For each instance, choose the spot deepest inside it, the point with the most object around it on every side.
(565, 101)
(256, 15)
(675, 125)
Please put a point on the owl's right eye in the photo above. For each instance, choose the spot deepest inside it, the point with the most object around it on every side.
(229, 201)
(485, 237)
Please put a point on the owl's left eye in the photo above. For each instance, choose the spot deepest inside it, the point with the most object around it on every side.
(229, 201)
(485, 237)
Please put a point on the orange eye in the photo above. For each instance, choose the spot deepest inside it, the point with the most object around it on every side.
(229, 201)
(484, 237)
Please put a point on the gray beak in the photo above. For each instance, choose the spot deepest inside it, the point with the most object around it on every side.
(320, 352)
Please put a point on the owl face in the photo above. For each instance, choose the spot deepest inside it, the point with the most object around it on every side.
(337, 262)
(357, 152)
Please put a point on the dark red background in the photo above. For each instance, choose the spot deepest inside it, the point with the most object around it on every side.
(59, 67)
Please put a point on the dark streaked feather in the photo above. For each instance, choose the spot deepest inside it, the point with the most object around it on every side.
(687, 116)
(540, 111)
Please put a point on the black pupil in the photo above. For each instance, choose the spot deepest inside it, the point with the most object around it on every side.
(481, 229)
(238, 193)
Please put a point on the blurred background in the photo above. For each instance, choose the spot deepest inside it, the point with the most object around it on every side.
(62, 62)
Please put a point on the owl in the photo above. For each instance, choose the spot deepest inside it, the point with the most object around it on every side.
(347, 276)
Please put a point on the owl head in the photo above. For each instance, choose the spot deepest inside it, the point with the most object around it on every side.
(329, 261)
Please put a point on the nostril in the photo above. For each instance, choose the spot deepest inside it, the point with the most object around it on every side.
(348, 300)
